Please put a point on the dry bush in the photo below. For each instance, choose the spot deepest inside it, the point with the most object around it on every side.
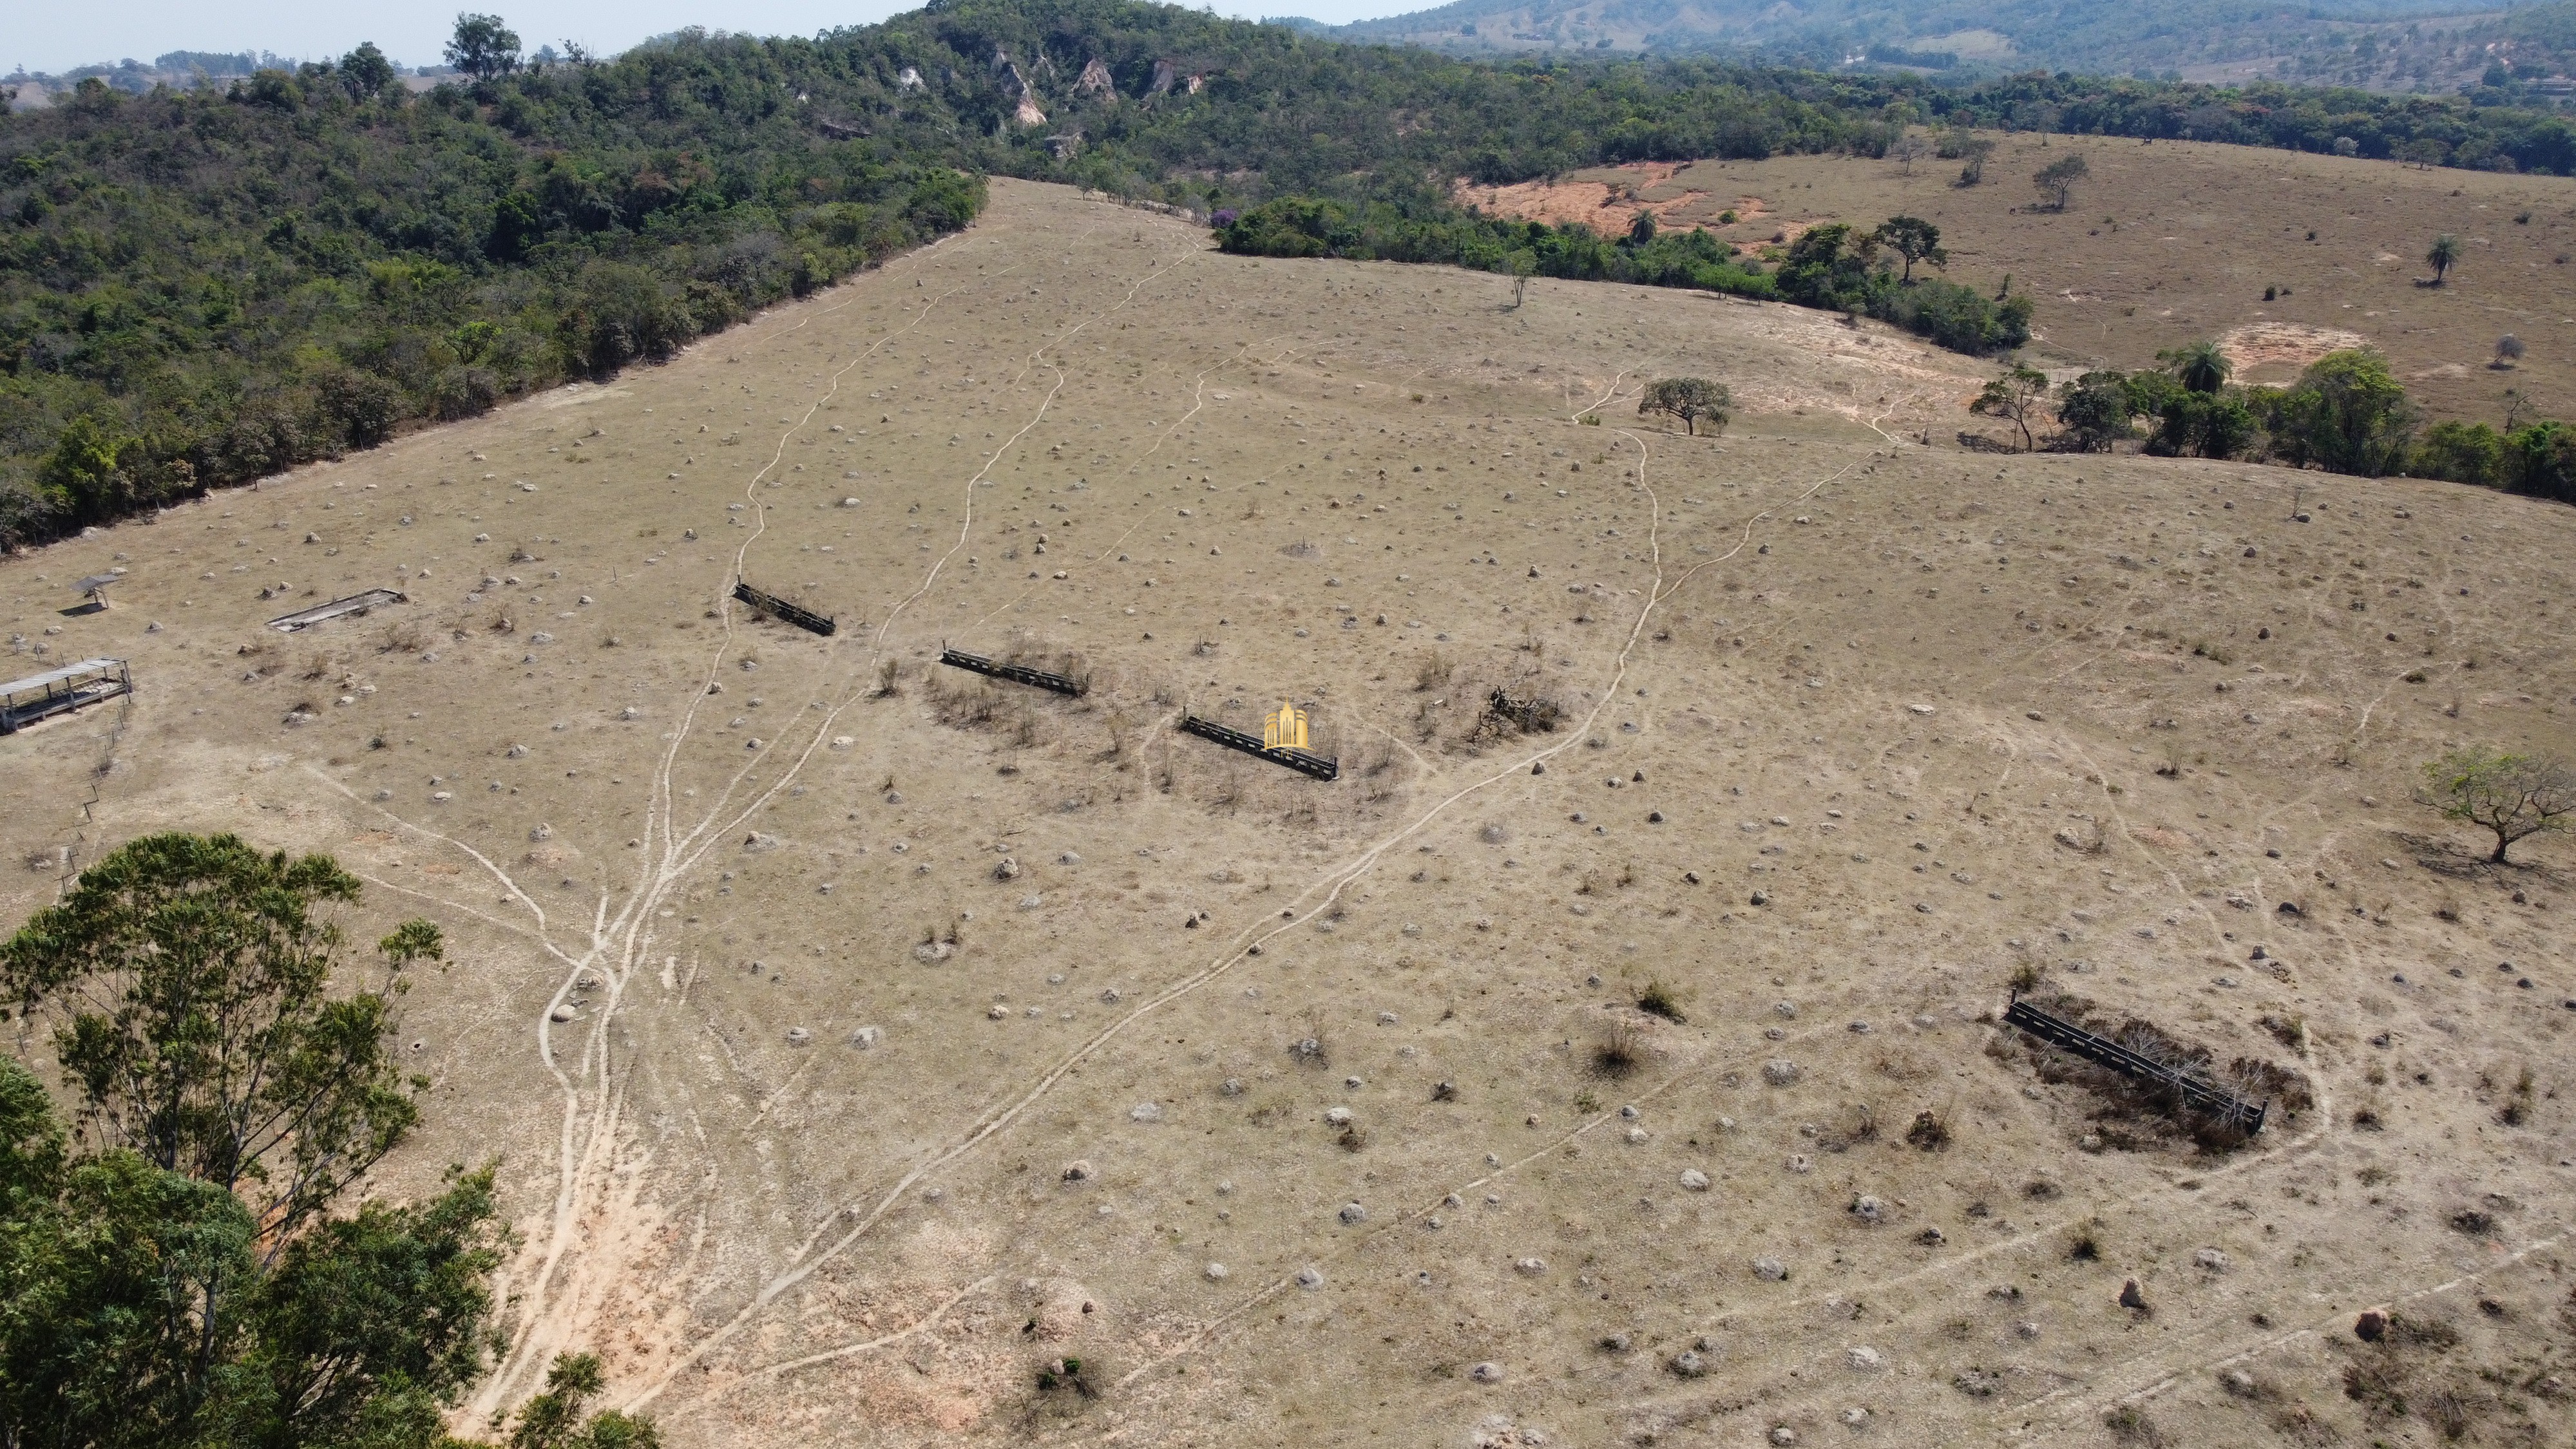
(1618, 1050)
(1855, 1125)
(1378, 770)
(2300, 1425)
(1432, 671)
(1507, 715)
(2379, 1387)
(969, 704)
(401, 638)
(1031, 652)
(1657, 1000)
(2130, 1425)
(889, 678)
(1929, 1132)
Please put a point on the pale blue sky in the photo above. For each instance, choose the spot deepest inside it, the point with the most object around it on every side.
(56, 37)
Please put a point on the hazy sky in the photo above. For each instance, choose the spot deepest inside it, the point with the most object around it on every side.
(56, 37)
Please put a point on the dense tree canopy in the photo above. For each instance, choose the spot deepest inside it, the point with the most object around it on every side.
(183, 1270)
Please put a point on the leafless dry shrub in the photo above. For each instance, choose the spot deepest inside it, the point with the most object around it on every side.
(1433, 670)
(1618, 1050)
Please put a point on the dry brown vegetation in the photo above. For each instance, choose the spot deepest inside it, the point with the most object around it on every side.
(927, 1051)
(2179, 240)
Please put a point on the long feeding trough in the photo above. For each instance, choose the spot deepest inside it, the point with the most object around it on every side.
(2192, 1091)
(778, 608)
(1302, 761)
(60, 691)
(1015, 673)
(355, 604)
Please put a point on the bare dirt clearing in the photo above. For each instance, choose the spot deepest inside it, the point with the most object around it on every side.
(2178, 240)
(854, 1056)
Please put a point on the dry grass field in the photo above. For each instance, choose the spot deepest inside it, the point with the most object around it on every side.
(2178, 240)
(866, 1048)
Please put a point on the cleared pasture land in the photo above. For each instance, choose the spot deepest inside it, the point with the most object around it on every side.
(2177, 240)
(860, 1045)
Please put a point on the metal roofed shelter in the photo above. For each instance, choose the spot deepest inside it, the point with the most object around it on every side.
(42, 696)
(95, 587)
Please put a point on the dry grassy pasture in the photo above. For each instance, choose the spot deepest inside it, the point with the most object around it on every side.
(2178, 240)
(789, 1006)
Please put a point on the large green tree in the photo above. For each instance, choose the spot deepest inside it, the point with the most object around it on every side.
(2513, 796)
(1914, 239)
(183, 1269)
(1690, 399)
(190, 982)
(2347, 414)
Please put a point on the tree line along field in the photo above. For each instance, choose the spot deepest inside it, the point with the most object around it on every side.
(203, 287)
(871, 1056)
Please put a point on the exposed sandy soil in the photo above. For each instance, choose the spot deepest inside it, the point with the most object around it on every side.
(2278, 346)
(2177, 240)
(781, 1229)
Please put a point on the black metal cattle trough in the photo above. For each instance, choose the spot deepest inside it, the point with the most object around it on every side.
(1234, 739)
(778, 608)
(2102, 1051)
(1017, 674)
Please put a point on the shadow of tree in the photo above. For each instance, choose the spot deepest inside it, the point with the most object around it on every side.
(2447, 856)
(2453, 857)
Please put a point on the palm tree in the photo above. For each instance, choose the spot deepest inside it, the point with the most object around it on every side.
(2200, 365)
(2445, 252)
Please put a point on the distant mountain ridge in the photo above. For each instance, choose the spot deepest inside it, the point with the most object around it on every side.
(2439, 46)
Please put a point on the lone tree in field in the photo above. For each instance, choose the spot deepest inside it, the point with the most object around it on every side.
(1906, 150)
(483, 47)
(2015, 397)
(2056, 180)
(1914, 239)
(2516, 796)
(2199, 366)
(2444, 255)
(1689, 399)
(2509, 350)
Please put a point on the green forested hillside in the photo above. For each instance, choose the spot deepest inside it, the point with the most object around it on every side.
(199, 288)
(2385, 44)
